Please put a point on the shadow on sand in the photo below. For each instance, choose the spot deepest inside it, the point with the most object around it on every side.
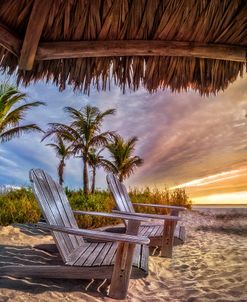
(30, 229)
(26, 255)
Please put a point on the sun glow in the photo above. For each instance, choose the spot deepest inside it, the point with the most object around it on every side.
(198, 186)
(225, 198)
(212, 179)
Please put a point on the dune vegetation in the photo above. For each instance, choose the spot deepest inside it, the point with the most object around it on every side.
(20, 206)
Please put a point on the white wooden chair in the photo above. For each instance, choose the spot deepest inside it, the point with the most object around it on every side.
(158, 233)
(118, 258)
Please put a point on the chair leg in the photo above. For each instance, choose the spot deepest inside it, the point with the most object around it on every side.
(122, 271)
(167, 239)
(123, 264)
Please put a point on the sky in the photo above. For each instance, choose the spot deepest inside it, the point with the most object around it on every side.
(186, 140)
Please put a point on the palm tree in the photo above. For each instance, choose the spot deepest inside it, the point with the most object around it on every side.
(122, 162)
(10, 117)
(95, 161)
(84, 133)
(63, 152)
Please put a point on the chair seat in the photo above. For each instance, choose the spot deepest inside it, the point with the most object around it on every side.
(153, 229)
(103, 254)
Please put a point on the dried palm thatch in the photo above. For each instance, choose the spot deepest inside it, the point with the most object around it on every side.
(205, 22)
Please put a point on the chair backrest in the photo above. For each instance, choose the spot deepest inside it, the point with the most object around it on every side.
(56, 210)
(119, 193)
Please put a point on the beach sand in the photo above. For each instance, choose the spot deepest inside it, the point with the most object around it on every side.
(210, 266)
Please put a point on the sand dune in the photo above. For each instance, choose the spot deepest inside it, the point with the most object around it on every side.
(210, 266)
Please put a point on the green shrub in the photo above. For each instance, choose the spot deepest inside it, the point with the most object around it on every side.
(20, 205)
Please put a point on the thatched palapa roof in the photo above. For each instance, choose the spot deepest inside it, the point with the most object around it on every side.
(181, 44)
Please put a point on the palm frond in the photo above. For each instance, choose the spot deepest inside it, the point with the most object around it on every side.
(102, 115)
(109, 166)
(101, 139)
(18, 131)
(14, 117)
(74, 113)
(66, 132)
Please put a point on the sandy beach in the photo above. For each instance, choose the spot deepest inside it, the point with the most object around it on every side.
(210, 266)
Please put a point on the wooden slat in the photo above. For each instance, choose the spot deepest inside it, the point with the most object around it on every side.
(66, 216)
(99, 260)
(159, 231)
(50, 211)
(9, 41)
(96, 253)
(109, 259)
(112, 215)
(65, 211)
(84, 49)
(149, 231)
(83, 257)
(151, 216)
(106, 236)
(144, 230)
(76, 254)
(144, 258)
(45, 207)
(153, 230)
(33, 33)
(115, 189)
(160, 206)
(127, 198)
(137, 256)
(57, 271)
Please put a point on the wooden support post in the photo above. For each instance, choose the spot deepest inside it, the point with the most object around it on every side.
(33, 33)
(168, 236)
(123, 265)
(9, 41)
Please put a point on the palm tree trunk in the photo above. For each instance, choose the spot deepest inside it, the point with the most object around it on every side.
(60, 171)
(85, 177)
(93, 181)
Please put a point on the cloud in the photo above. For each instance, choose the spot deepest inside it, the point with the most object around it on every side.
(182, 136)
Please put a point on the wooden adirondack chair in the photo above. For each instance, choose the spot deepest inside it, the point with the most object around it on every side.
(124, 255)
(159, 234)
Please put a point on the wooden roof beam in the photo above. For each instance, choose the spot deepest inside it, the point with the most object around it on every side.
(84, 49)
(9, 41)
(33, 33)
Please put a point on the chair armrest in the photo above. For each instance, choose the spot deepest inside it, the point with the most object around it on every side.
(95, 234)
(159, 206)
(152, 216)
(120, 215)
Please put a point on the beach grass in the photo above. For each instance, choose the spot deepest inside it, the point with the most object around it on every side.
(20, 206)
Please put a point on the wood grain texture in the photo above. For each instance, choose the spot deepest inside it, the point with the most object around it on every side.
(165, 234)
(167, 239)
(95, 234)
(160, 206)
(57, 271)
(151, 216)
(55, 211)
(123, 264)
(86, 49)
(9, 41)
(33, 33)
(111, 215)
